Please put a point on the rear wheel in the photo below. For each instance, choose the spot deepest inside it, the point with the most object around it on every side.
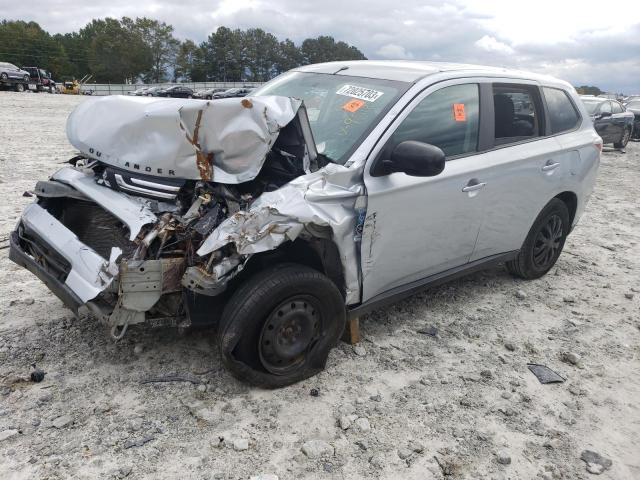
(4, 76)
(279, 326)
(26, 78)
(544, 243)
(624, 140)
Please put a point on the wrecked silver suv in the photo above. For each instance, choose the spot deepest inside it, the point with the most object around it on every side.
(331, 190)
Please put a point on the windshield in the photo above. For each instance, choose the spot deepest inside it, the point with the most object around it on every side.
(592, 106)
(342, 110)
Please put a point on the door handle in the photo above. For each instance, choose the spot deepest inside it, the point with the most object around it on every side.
(474, 187)
(550, 166)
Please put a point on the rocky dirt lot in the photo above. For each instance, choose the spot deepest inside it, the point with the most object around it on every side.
(438, 388)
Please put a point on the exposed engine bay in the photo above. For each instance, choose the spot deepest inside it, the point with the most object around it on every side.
(147, 240)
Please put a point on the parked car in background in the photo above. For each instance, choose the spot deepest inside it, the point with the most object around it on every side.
(138, 92)
(152, 91)
(608, 96)
(234, 92)
(630, 98)
(41, 79)
(176, 91)
(293, 229)
(610, 119)
(208, 93)
(634, 107)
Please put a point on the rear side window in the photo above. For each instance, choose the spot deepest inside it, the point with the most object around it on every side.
(448, 118)
(605, 107)
(516, 113)
(563, 116)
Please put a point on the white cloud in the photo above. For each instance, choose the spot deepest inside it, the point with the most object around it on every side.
(563, 38)
(394, 52)
(490, 44)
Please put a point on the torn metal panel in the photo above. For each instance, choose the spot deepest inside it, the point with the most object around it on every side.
(225, 141)
(90, 274)
(325, 198)
(132, 211)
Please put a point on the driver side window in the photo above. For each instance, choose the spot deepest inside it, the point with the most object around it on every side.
(447, 118)
(605, 107)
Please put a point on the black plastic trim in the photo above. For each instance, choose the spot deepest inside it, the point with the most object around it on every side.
(59, 289)
(404, 291)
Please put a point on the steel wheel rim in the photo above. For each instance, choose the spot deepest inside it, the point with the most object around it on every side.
(546, 245)
(289, 332)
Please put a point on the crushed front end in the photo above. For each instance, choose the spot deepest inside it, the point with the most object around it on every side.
(168, 201)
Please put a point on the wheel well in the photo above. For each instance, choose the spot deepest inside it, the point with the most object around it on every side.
(318, 253)
(570, 199)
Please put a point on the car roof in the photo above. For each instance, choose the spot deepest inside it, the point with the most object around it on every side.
(412, 71)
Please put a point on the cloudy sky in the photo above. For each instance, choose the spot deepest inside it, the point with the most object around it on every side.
(585, 44)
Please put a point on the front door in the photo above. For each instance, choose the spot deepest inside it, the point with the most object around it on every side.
(418, 226)
(604, 124)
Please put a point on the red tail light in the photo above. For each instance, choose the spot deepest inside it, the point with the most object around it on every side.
(598, 145)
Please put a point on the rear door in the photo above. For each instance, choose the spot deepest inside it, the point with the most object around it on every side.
(418, 226)
(526, 166)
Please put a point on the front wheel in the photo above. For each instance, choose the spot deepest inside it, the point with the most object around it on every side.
(279, 327)
(19, 87)
(544, 243)
(26, 78)
(4, 76)
(624, 140)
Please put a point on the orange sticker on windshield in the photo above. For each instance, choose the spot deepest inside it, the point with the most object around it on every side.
(353, 105)
(458, 112)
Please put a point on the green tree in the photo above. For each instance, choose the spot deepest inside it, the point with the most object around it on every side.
(190, 63)
(260, 54)
(116, 54)
(160, 44)
(288, 56)
(224, 56)
(325, 49)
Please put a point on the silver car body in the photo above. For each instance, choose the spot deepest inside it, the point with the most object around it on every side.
(479, 208)
(12, 72)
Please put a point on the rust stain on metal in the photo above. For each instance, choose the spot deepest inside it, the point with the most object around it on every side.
(246, 103)
(172, 271)
(204, 161)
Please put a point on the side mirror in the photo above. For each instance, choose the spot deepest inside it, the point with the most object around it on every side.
(604, 115)
(414, 158)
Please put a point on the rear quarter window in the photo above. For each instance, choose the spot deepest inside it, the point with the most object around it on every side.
(563, 115)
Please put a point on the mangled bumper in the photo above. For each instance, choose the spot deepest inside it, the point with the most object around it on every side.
(56, 253)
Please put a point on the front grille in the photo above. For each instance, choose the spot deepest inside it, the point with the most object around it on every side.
(158, 188)
(92, 224)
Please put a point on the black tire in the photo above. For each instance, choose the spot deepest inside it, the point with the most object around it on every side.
(4, 76)
(26, 78)
(544, 243)
(19, 87)
(278, 327)
(624, 140)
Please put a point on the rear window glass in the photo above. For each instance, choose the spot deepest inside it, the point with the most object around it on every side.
(516, 115)
(563, 115)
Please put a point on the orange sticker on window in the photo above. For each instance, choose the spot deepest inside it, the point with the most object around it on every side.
(353, 105)
(458, 112)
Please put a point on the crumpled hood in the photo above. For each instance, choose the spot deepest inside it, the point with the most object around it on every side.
(224, 140)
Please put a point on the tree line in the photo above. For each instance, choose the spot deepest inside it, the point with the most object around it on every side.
(127, 50)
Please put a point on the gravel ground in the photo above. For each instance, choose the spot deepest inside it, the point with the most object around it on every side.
(405, 403)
